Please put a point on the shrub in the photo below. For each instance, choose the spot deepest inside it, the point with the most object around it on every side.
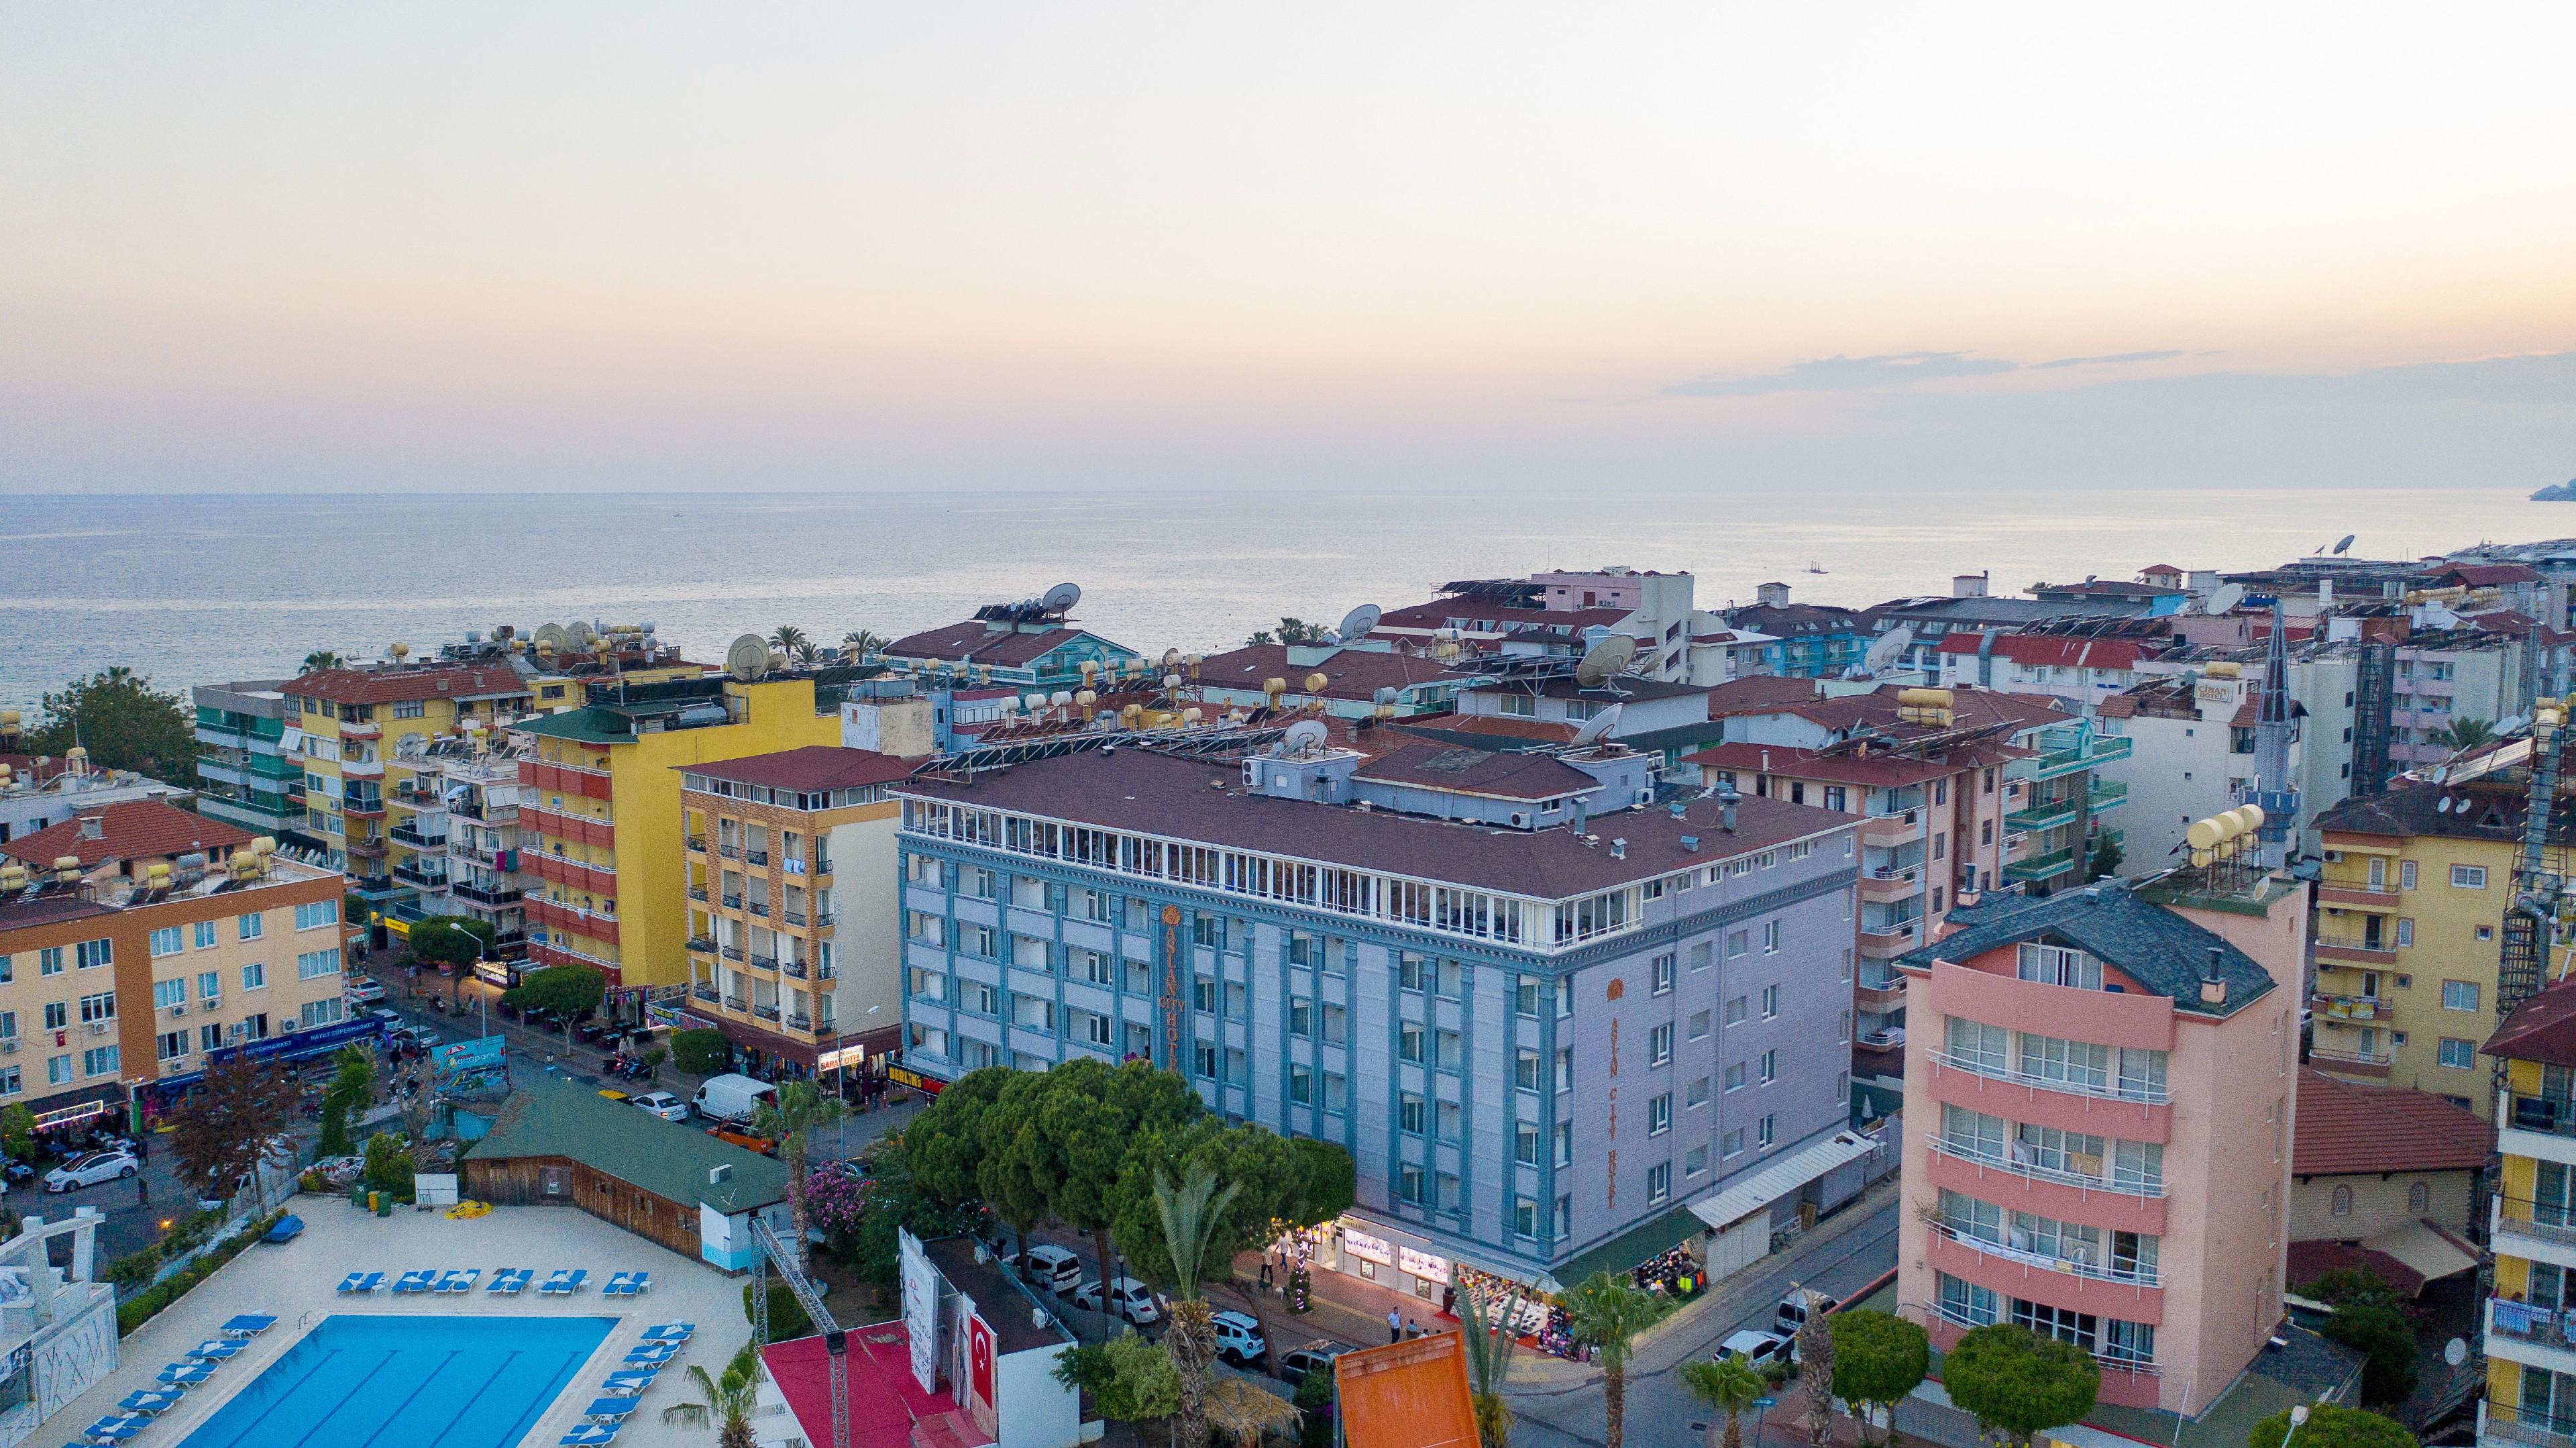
(388, 1167)
(140, 1308)
(135, 1268)
(787, 1317)
(700, 1053)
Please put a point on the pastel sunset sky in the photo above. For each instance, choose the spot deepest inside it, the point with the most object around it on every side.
(639, 245)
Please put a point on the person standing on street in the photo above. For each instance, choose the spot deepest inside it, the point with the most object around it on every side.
(1394, 1326)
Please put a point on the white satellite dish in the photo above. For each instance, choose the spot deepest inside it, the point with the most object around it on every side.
(1062, 597)
(583, 635)
(2224, 598)
(551, 637)
(1605, 661)
(1886, 647)
(1304, 735)
(2512, 724)
(2346, 543)
(748, 657)
(1598, 727)
(1357, 622)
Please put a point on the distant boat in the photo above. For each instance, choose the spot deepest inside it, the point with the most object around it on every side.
(1814, 567)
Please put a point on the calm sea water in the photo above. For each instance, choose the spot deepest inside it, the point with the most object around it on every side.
(193, 589)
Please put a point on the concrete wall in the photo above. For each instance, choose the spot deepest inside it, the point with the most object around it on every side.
(2378, 1203)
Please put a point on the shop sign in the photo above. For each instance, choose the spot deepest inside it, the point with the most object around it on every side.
(497, 972)
(906, 1076)
(1422, 1264)
(1375, 1249)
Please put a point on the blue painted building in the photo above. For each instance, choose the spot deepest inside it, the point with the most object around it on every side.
(1561, 1024)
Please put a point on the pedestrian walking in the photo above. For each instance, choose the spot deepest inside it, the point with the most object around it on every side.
(1265, 1274)
(1394, 1326)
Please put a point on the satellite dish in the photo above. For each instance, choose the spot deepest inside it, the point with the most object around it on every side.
(2224, 598)
(2340, 547)
(2442, 805)
(551, 637)
(582, 635)
(1357, 622)
(747, 659)
(1304, 735)
(1598, 727)
(2455, 1352)
(1885, 648)
(1062, 597)
(1605, 661)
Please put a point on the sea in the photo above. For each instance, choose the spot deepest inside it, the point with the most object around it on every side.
(204, 588)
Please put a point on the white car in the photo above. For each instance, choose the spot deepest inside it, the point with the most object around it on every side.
(1052, 1267)
(98, 1166)
(1131, 1299)
(662, 1104)
(1239, 1341)
(1757, 1349)
(363, 991)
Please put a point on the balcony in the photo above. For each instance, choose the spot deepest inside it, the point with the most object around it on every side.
(2334, 1060)
(823, 918)
(364, 845)
(2103, 1194)
(2358, 894)
(766, 1013)
(559, 777)
(705, 993)
(1888, 942)
(697, 844)
(731, 952)
(1887, 831)
(2499, 1422)
(792, 917)
(2126, 1382)
(2105, 794)
(2355, 949)
(368, 805)
(730, 851)
(2143, 1278)
(493, 895)
(763, 962)
(755, 857)
(800, 1023)
(733, 902)
(572, 828)
(825, 972)
(793, 970)
(759, 908)
(2129, 1110)
(1890, 883)
(2548, 1225)
(2353, 1008)
(411, 874)
(2040, 867)
(404, 834)
(2532, 1335)
(2065, 750)
(2045, 815)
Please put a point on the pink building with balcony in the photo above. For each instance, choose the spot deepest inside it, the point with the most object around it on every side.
(2099, 1092)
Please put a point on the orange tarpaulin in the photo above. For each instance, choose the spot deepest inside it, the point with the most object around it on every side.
(1410, 1394)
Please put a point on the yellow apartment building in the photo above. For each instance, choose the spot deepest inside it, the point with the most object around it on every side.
(2529, 1344)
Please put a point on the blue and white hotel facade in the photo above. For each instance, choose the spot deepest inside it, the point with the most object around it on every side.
(1559, 1025)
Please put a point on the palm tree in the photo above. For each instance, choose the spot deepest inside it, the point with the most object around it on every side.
(1189, 1218)
(320, 659)
(1607, 1314)
(2462, 734)
(1492, 1323)
(787, 638)
(791, 1120)
(864, 641)
(1728, 1387)
(725, 1401)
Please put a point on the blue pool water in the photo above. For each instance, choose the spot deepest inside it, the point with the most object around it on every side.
(407, 1382)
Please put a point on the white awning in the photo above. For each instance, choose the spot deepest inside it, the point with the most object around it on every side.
(2423, 1249)
(1726, 1207)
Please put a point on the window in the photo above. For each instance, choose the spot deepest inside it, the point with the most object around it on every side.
(11, 1083)
(1770, 1002)
(1659, 1115)
(204, 935)
(410, 708)
(58, 1070)
(1763, 1133)
(1733, 1145)
(1735, 1011)
(1525, 1143)
(253, 925)
(1408, 1182)
(1525, 995)
(1770, 1067)
(2458, 1054)
(1735, 1077)
(254, 976)
(2468, 877)
(1695, 1162)
(1207, 1060)
(1659, 1181)
(1975, 1046)
(99, 1007)
(1699, 1025)
(1663, 974)
(2419, 1198)
(169, 1045)
(1564, 1143)
(1301, 1079)
(2459, 995)
(1408, 1042)
(2405, 931)
(1525, 1069)
(91, 954)
(1524, 1217)
(2081, 1064)
(1697, 1094)
(2406, 874)
(1738, 942)
(314, 964)
(49, 960)
(1408, 1114)
(1564, 996)
(2056, 965)
(307, 917)
(101, 1060)
(1659, 1046)
(168, 993)
(168, 940)
(58, 1015)
(1412, 972)
(1565, 1068)
(2342, 1202)
(1337, 1091)
(1770, 937)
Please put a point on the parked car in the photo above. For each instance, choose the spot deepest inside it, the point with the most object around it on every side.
(1129, 1298)
(392, 1018)
(1317, 1355)
(1239, 1340)
(733, 1098)
(97, 1166)
(1053, 1268)
(1792, 1313)
(364, 991)
(420, 1036)
(1757, 1349)
(749, 1141)
(663, 1104)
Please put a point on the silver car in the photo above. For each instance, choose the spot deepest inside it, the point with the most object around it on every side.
(98, 1166)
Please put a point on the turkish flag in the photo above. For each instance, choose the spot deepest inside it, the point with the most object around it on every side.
(979, 1359)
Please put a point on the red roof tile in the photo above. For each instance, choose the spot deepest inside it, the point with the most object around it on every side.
(142, 829)
(972, 641)
(1882, 770)
(816, 766)
(1758, 694)
(2347, 1129)
(2052, 650)
(2542, 1028)
(1355, 674)
(372, 686)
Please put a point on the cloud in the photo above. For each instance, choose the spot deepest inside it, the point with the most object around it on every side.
(1839, 373)
(2115, 357)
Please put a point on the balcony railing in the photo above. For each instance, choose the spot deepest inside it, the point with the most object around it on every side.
(489, 894)
(766, 1013)
(2544, 1221)
(2044, 815)
(702, 945)
(1958, 1318)
(730, 852)
(792, 917)
(2041, 867)
(825, 972)
(794, 969)
(2532, 1323)
(705, 993)
(764, 962)
(800, 1023)
(732, 952)
(826, 917)
(698, 893)
(733, 902)
(2349, 1058)
(2550, 1115)
(2072, 1267)
(2105, 794)
(2353, 1008)
(2106, 1090)
(2526, 1426)
(755, 857)
(414, 838)
(758, 907)
(2379, 946)
(1957, 1152)
(698, 844)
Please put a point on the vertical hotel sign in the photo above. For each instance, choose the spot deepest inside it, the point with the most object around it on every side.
(1175, 996)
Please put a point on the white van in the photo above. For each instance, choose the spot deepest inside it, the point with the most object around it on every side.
(732, 1098)
(1792, 1312)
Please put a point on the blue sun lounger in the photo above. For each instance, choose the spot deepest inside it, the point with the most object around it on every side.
(115, 1428)
(589, 1435)
(511, 1281)
(564, 1282)
(627, 1284)
(458, 1279)
(418, 1280)
(249, 1324)
(669, 1332)
(186, 1375)
(149, 1403)
(653, 1356)
(361, 1282)
(630, 1382)
(609, 1409)
(213, 1350)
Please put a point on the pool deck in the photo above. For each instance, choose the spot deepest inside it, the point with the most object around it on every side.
(295, 1282)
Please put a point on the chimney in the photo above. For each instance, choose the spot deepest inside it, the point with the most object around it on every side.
(1580, 814)
(1726, 798)
(93, 827)
(1619, 849)
(2213, 988)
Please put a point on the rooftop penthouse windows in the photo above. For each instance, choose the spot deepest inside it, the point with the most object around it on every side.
(2057, 965)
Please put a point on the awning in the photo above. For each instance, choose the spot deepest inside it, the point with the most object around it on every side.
(2423, 1249)
(1733, 1204)
(1655, 1237)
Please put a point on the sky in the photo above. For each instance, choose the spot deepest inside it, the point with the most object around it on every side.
(365, 247)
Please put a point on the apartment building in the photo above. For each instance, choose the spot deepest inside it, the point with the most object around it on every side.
(38, 793)
(795, 929)
(346, 724)
(1677, 641)
(1454, 963)
(2192, 751)
(247, 774)
(138, 940)
(2100, 1094)
(599, 820)
(2410, 899)
(455, 840)
(2528, 1336)
(1033, 644)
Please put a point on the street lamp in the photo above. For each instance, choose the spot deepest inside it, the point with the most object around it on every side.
(2298, 1417)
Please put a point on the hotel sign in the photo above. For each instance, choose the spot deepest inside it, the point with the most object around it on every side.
(1175, 1001)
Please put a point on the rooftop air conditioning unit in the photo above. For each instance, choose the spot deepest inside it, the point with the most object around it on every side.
(178, 1010)
(8, 1045)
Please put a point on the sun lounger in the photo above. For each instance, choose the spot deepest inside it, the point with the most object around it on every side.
(458, 1279)
(149, 1403)
(360, 1282)
(653, 1356)
(589, 1435)
(419, 1280)
(630, 1382)
(116, 1428)
(187, 1374)
(670, 1332)
(627, 1284)
(511, 1281)
(609, 1409)
(213, 1350)
(249, 1324)
(565, 1281)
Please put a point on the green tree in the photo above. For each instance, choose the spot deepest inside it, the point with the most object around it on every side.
(787, 638)
(124, 723)
(1017, 1167)
(1606, 1314)
(1489, 1321)
(2464, 733)
(18, 1132)
(565, 991)
(2105, 861)
(1727, 1387)
(787, 1316)
(726, 1400)
(1315, 1398)
(456, 941)
(388, 1165)
(1191, 1217)
(320, 659)
(1130, 1380)
(801, 1108)
(1090, 1118)
(944, 1145)
(2370, 1317)
(1878, 1359)
(232, 1125)
(698, 1052)
(864, 640)
(894, 1202)
(653, 1058)
(2331, 1427)
(353, 1086)
(2017, 1384)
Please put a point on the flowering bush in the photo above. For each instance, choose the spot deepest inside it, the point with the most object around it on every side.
(834, 1203)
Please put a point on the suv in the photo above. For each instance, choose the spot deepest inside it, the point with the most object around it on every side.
(1758, 1350)
(1792, 1312)
(1314, 1356)
(1053, 1268)
(1238, 1339)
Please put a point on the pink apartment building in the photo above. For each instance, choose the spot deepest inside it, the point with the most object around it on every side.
(2099, 1093)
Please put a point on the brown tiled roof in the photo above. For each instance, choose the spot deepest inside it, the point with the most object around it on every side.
(1438, 612)
(371, 686)
(141, 829)
(816, 766)
(2489, 575)
(2312, 1260)
(2052, 650)
(2346, 1129)
(1759, 694)
(1514, 776)
(1875, 769)
(19, 911)
(1495, 726)
(1969, 709)
(971, 640)
(2488, 813)
(1350, 673)
(2541, 1029)
(1150, 793)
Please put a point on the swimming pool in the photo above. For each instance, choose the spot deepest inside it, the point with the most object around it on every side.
(407, 1382)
